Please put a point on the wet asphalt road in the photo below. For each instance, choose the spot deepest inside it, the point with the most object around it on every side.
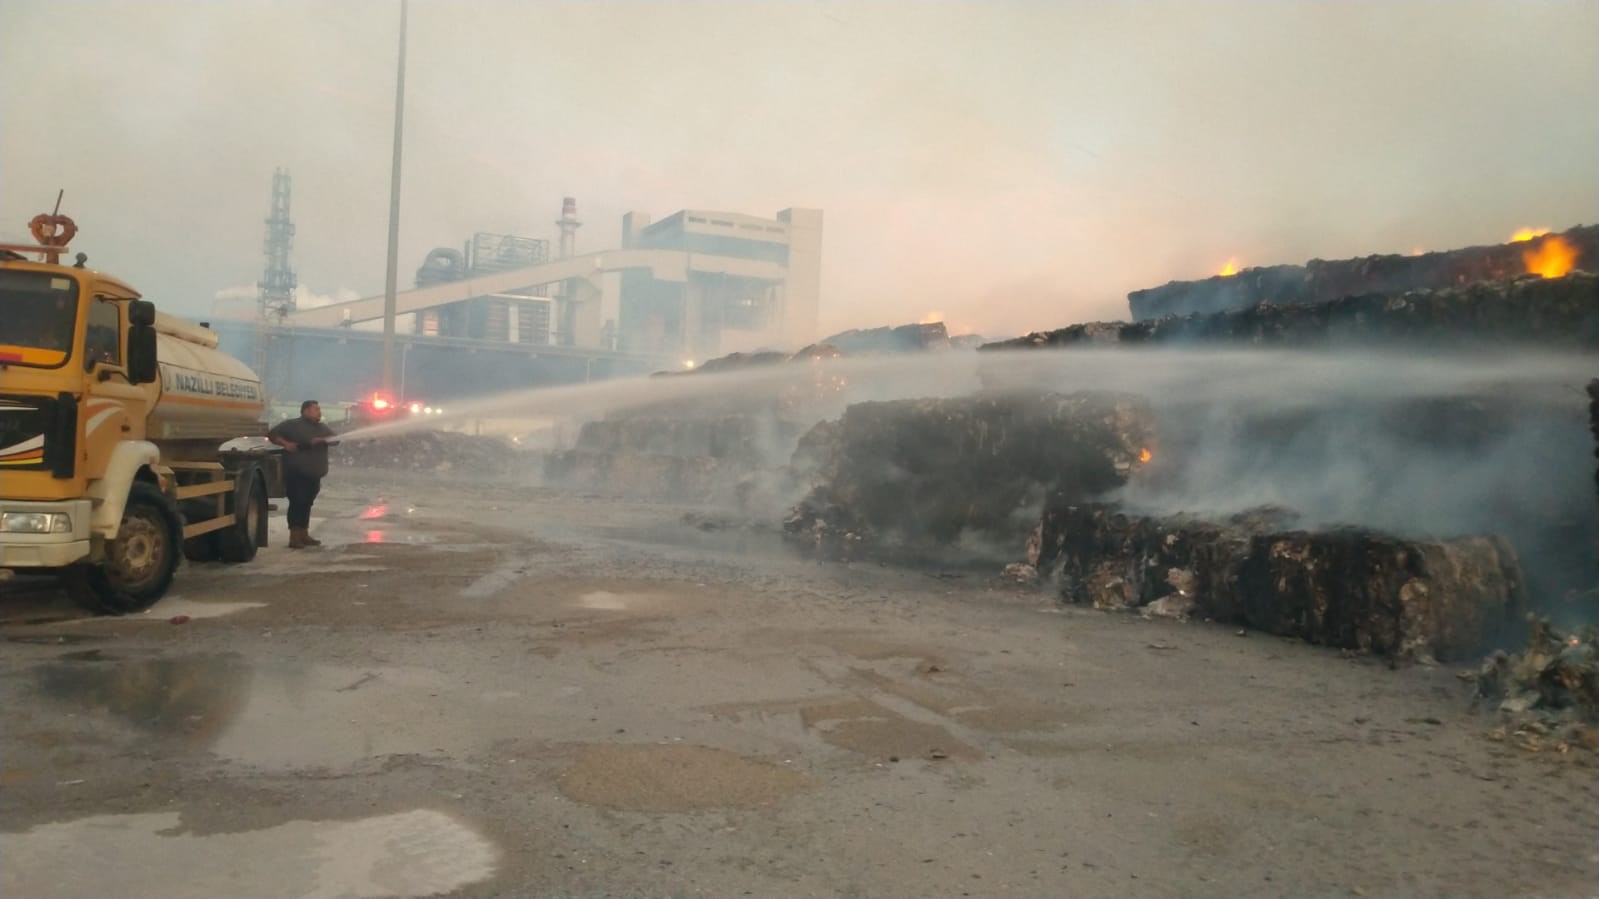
(483, 689)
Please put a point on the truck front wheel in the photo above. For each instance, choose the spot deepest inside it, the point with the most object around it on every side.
(138, 564)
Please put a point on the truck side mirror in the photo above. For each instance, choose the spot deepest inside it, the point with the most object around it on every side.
(141, 351)
(141, 312)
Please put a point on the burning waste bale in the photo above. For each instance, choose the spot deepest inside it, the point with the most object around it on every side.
(1321, 281)
(924, 473)
(1547, 696)
(434, 451)
(1556, 312)
(1351, 588)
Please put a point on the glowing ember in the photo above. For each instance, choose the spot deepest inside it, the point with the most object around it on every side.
(1526, 234)
(1144, 455)
(1230, 269)
(1551, 259)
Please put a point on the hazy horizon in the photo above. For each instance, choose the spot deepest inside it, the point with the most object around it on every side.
(1012, 165)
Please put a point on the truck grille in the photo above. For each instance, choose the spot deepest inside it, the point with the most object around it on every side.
(38, 433)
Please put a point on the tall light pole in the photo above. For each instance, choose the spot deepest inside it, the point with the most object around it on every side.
(390, 281)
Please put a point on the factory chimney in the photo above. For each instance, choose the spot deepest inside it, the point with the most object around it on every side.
(568, 224)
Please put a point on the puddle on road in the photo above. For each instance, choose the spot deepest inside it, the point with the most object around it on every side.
(172, 606)
(675, 777)
(379, 535)
(416, 853)
(267, 717)
(605, 600)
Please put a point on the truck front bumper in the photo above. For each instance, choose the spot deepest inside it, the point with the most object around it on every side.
(28, 550)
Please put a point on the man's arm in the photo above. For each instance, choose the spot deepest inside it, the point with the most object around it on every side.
(276, 436)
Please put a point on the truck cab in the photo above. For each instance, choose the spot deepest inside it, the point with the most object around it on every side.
(111, 420)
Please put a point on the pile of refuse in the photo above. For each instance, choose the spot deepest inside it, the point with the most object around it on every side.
(1352, 588)
(1321, 281)
(1547, 695)
(727, 448)
(928, 471)
(697, 452)
(434, 451)
(1557, 312)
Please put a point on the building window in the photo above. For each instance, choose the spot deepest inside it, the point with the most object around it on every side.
(102, 340)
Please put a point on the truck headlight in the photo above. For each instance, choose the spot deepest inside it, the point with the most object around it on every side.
(35, 523)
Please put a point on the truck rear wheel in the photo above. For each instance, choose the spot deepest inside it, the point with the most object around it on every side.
(138, 564)
(239, 542)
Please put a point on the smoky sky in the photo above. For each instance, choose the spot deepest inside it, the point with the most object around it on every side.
(1013, 165)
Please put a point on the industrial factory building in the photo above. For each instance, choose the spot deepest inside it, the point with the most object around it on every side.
(696, 283)
(747, 280)
(690, 286)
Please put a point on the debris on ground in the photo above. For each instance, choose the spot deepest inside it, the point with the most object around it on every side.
(1548, 694)
(1404, 600)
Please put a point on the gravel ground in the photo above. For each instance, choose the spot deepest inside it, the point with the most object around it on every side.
(487, 689)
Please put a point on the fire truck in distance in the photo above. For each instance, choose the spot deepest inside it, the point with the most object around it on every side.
(379, 408)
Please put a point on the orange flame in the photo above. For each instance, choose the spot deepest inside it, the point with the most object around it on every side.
(1526, 234)
(1552, 259)
(931, 318)
(1144, 455)
(1230, 269)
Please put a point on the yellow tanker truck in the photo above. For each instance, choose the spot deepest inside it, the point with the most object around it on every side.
(112, 418)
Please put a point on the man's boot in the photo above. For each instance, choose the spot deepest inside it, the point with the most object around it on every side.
(307, 539)
(297, 538)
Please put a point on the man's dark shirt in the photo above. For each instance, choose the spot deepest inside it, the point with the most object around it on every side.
(308, 461)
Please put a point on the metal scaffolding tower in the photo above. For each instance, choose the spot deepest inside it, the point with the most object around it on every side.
(277, 284)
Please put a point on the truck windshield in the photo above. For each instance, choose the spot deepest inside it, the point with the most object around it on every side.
(38, 314)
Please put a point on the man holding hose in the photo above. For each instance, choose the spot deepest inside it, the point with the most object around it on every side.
(305, 464)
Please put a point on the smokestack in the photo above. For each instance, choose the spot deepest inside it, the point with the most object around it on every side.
(568, 224)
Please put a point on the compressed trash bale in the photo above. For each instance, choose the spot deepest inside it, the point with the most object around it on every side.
(1397, 598)
(1350, 588)
(930, 469)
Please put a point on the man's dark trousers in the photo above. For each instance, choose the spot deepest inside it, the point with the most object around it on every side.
(301, 492)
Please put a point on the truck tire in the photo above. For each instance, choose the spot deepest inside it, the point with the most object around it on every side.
(138, 564)
(239, 542)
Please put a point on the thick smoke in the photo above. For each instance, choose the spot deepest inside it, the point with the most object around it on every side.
(1417, 446)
